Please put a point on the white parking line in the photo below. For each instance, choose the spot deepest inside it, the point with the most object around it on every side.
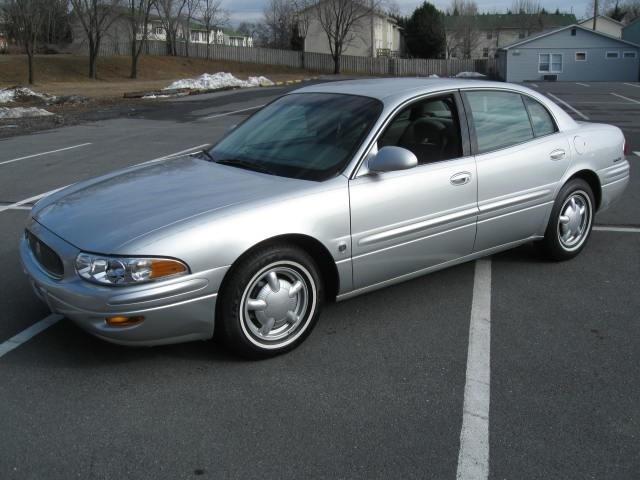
(44, 153)
(583, 84)
(637, 153)
(473, 458)
(578, 112)
(232, 113)
(29, 333)
(605, 228)
(16, 205)
(625, 98)
(534, 85)
(633, 85)
(171, 155)
(19, 207)
(19, 204)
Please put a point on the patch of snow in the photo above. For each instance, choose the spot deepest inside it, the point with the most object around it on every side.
(433, 75)
(470, 75)
(219, 80)
(21, 93)
(23, 112)
(152, 96)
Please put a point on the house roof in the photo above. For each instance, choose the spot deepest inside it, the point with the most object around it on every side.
(494, 21)
(552, 32)
(603, 17)
(631, 23)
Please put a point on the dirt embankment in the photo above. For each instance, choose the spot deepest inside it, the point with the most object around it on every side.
(67, 74)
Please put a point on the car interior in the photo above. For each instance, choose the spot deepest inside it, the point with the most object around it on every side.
(429, 128)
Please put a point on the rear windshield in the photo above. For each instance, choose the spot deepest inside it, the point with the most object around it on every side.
(311, 136)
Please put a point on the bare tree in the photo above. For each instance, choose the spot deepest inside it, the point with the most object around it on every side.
(302, 20)
(191, 9)
(96, 17)
(463, 34)
(213, 16)
(138, 15)
(343, 21)
(531, 7)
(170, 12)
(279, 17)
(25, 19)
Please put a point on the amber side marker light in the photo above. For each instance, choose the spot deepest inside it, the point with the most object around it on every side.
(121, 321)
(166, 268)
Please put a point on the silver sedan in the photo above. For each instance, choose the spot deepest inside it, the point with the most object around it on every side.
(328, 192)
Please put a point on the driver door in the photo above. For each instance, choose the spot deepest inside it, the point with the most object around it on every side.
(404, 222)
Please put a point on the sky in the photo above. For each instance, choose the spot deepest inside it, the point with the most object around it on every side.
(251, 10)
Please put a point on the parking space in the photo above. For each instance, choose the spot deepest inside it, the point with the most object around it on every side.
(380, 388)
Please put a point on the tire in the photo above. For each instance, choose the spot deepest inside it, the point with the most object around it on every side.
(259, 316)
(571, 221)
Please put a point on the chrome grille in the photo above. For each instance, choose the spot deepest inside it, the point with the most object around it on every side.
(46, 257)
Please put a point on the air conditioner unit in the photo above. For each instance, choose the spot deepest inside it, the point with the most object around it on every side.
(550, 78)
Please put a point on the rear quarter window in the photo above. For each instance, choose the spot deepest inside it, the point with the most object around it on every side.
(541, 119)
(500, 119)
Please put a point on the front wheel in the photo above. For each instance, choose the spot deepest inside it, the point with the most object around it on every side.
(271, 301)
(571, 221)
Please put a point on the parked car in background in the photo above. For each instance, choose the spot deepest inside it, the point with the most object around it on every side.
(330, 191)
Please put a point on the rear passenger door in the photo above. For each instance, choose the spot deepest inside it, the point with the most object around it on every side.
(520, 157)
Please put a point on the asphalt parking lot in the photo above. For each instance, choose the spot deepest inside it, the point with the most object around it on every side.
(377, 390)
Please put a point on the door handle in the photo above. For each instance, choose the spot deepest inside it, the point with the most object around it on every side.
(557, 154)
(461, 178)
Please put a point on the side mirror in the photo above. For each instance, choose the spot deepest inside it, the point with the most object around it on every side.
(390, 159)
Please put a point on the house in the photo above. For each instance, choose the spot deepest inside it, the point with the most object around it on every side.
(387, 39)
(572, 53)
(119, 31)
(480, 36)
(631, 32)
(604, 24)
(197, 32)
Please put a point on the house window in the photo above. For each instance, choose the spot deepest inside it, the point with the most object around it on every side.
(159, 30)
(612, 55)
(521, 35)
(489, 35)
(581, 56)
(573, 32)
(550, 63)
(629, 54)
(485, 52)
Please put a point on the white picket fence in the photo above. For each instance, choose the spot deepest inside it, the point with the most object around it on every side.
(318, 62)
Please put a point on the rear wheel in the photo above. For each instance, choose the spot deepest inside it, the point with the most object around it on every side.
(571, 221)
(270, 302)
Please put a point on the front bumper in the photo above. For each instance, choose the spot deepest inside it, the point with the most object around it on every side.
(175, 310)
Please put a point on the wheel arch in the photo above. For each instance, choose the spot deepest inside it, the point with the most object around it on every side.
(593, 180)
(315, 248)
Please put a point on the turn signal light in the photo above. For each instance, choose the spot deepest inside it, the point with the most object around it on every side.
(165, 268)
(121, 321)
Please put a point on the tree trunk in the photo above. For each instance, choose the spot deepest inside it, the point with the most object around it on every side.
(30, 61)
(134, 58)
(303, 59)
(336, 64)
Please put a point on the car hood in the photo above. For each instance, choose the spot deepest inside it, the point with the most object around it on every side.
(103, 214)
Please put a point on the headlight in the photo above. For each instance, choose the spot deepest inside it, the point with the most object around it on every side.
(126, 271)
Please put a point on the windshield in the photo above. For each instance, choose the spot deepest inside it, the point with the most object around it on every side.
(311, 136)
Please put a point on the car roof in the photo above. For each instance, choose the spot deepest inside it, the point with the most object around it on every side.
(393, 89)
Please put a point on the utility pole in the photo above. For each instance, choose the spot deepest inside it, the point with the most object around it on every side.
(595, 13)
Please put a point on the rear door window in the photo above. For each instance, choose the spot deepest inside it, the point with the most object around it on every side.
(500, 119)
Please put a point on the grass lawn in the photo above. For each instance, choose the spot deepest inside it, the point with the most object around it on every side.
(67, 74)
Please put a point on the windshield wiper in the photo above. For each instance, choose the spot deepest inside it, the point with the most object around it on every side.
(236, 162)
